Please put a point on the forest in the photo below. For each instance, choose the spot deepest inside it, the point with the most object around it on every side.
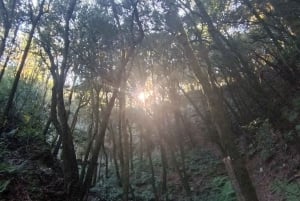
(149, 100)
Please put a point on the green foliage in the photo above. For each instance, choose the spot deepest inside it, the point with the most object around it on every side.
(109, 190)
(6, 168)
(222, 189)
(146, 194)
(27, 114)
(200, 162)
(291, 191)
(5, 87)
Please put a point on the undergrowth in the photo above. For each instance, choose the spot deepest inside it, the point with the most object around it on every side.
(290, 190)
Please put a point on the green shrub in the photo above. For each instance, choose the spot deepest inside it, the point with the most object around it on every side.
(222, 189)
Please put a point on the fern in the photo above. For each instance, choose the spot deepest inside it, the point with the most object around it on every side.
(3, 185)
(223, 190)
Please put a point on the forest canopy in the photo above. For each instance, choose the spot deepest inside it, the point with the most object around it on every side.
(150, 100)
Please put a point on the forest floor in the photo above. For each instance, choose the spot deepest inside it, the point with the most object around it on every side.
(28, 172)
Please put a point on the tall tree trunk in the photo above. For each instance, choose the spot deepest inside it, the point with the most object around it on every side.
(86, 158)
(68, 151)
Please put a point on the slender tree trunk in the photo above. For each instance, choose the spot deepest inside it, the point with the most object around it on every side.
(95, 174)
(57, 147)
(120, 142)
(131, 147)
(106, 161)
(125, 56)
(183, 178)
(98, 142)
(152, 175)
(141, 148)
(115, 156)
(75, 116)
(86, 157)
(164, 188)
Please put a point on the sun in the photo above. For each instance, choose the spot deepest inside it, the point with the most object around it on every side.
(142, 96)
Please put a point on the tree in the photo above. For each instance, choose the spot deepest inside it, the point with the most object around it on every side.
(8, 10)
(59, 115)
(35, 20)
(240, 177)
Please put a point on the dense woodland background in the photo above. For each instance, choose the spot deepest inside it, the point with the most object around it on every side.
(150, 100)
